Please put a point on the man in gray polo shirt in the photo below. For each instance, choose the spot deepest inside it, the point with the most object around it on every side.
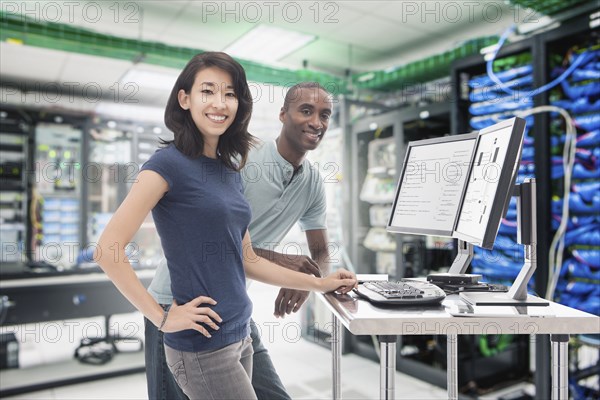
(283, 188)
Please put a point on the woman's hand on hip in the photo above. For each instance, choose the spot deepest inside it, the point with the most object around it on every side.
(191, 316)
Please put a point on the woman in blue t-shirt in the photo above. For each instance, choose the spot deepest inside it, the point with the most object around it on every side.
(193, 188)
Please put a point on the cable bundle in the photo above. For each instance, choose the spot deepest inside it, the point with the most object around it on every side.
(576, 213)
(491, 104)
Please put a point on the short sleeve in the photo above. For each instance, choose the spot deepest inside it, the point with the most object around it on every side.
(161, 162)
(316, 216)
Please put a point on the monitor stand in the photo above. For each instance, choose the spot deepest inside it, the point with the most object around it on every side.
(527, 236)
(516, 295)
(456, 274)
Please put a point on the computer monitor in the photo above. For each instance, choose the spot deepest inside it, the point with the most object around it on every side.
(469, 203)
(491, 182)
(458, 186)
(431, 185)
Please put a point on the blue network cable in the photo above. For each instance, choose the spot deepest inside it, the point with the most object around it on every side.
(578, 106)
(579, 60)
(513, 77)
(591, 139)
(500, 105)
(583, 236)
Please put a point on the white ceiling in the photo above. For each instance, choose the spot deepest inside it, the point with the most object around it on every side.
(356, 35)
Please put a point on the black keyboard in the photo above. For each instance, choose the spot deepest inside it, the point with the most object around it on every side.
(401, 292)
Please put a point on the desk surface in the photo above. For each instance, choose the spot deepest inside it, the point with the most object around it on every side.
(362, 318)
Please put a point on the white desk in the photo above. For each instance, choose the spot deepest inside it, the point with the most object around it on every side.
(362, 318)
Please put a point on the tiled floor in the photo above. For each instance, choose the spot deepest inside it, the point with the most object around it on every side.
(304, 367)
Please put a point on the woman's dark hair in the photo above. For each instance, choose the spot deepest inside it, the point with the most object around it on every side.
(235, 143)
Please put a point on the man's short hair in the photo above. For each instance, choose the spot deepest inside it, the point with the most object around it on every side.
(292, 93)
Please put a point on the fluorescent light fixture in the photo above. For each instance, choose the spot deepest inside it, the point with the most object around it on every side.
(366, 77)
(488, 49)
(149, 79)
(268, 44)
(530, 26)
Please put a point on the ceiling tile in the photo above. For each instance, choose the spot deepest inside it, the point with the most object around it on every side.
(440, 16)
(331, 56)
(369, 7)
(158, 15)
(111, 18)
(192, 29)
(381, 34)
(31, 63)
(375, 33)
(304, 16)
(227, 21)
(317, 18)
(92, 70)
(437, 43)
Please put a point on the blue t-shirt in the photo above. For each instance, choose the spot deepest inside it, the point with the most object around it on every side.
(277, 202)
(201, 222)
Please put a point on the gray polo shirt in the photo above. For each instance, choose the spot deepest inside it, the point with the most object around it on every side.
(278, 199)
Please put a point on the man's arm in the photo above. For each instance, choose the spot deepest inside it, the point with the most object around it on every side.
(318, 246)
(289, 300)
(300, 263)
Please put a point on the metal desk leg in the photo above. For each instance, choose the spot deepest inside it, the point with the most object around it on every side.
(452, 366)
(560, 367)
(387, 365)
(336, 350)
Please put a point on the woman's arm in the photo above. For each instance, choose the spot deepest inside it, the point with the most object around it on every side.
(110, 255)
(265, 271)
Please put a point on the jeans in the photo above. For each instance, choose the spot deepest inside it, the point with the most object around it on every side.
(162, 385)
(160, 381)
(265, 380)
(222, 374)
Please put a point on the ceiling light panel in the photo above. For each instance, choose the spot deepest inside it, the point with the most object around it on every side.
(268, 44)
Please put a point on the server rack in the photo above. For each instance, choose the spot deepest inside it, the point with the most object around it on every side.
(15, 183)
(464, 71)
(68, 291)
(579, 280)
(542, 47)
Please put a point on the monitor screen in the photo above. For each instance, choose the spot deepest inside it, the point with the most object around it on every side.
(431, 185)
(491, 182)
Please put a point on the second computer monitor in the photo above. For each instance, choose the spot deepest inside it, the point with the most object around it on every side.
(491, 182)
(431, 185)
